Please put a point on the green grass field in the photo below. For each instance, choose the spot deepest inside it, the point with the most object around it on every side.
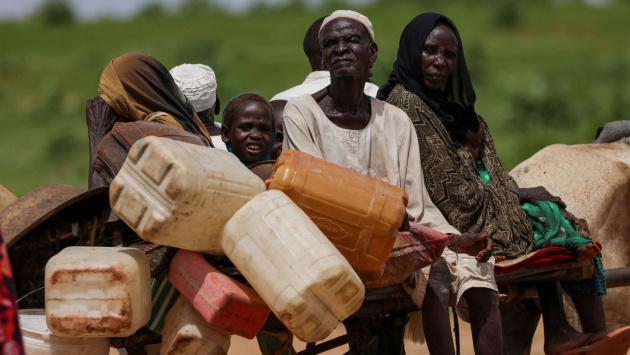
(543, 73)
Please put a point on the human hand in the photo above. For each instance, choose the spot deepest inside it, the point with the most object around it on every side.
(474, 244)
(405, 223)
(539, 193)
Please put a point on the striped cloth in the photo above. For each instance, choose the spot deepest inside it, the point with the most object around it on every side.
(163, 296)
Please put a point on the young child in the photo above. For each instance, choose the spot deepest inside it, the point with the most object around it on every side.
(552, 226)
(249, 131)
(248, 128)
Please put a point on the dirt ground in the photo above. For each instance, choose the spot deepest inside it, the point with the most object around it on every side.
(242, 346)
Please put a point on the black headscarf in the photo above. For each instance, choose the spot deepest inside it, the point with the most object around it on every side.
(455, 106)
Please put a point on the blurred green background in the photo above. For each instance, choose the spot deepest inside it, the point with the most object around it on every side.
(545, 72)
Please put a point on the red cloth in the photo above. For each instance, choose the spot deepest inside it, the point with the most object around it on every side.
(542, 258)
(10, 338)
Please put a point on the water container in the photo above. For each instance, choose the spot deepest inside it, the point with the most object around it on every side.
(97, 292)
(38, 340)
(186, 332)
(179, 194)
(301, 276)
(359, 214)
(223, 302)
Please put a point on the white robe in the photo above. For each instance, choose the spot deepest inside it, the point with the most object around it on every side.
(386, 149)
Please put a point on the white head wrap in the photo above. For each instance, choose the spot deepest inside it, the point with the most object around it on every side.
(353, 15)
(198, 83)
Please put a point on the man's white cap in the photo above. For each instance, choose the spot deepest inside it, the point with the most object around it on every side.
(353, 15)
(198, 83)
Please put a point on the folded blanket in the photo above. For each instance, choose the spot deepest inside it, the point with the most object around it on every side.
(545, 257)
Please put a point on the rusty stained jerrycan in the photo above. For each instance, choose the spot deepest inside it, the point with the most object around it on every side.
(301, 276)
(359, 214)
(187, 333)
(180, 194)
(97, 292)
(222, 301)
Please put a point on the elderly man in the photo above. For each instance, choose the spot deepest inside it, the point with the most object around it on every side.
(319, 77)
(344, 126)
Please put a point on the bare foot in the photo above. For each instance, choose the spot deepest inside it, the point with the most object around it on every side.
(587, 252)
(564, 341)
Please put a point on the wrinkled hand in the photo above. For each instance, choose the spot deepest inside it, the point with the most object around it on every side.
(539, 193)
(474, 244)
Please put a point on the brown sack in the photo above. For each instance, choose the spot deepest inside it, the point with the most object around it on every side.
(115, 145)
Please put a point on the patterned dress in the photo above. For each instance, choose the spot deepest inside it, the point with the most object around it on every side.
(455, 187)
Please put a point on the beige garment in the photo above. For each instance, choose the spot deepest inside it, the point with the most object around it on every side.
(386, 149)
(466, 273)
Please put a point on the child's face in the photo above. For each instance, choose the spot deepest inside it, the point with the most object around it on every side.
(250, 132)
(473, 143)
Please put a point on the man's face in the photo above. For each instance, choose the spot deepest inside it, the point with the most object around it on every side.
(347, 49)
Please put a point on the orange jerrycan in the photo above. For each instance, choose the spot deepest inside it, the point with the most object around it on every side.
(359, 214)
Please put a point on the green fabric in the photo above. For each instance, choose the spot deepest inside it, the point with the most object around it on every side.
(550, 227)
(163, 296)
(483, 173)
(596, 285)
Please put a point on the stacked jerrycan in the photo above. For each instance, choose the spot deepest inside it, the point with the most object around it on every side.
(186, 332)
(204, 200)
(229, 305)
(359, 214)
(97, 292)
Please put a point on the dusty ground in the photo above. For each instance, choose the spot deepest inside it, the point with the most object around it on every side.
(242, 346)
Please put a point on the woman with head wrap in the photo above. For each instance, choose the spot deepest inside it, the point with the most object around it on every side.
(136, 87)
(139, 88)
(430, 82)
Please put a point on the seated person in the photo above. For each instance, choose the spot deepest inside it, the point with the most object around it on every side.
(343, 125)
(199, 85)
(429, 77)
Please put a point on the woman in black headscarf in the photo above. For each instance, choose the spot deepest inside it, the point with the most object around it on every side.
(430, 82)
(420, 84)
